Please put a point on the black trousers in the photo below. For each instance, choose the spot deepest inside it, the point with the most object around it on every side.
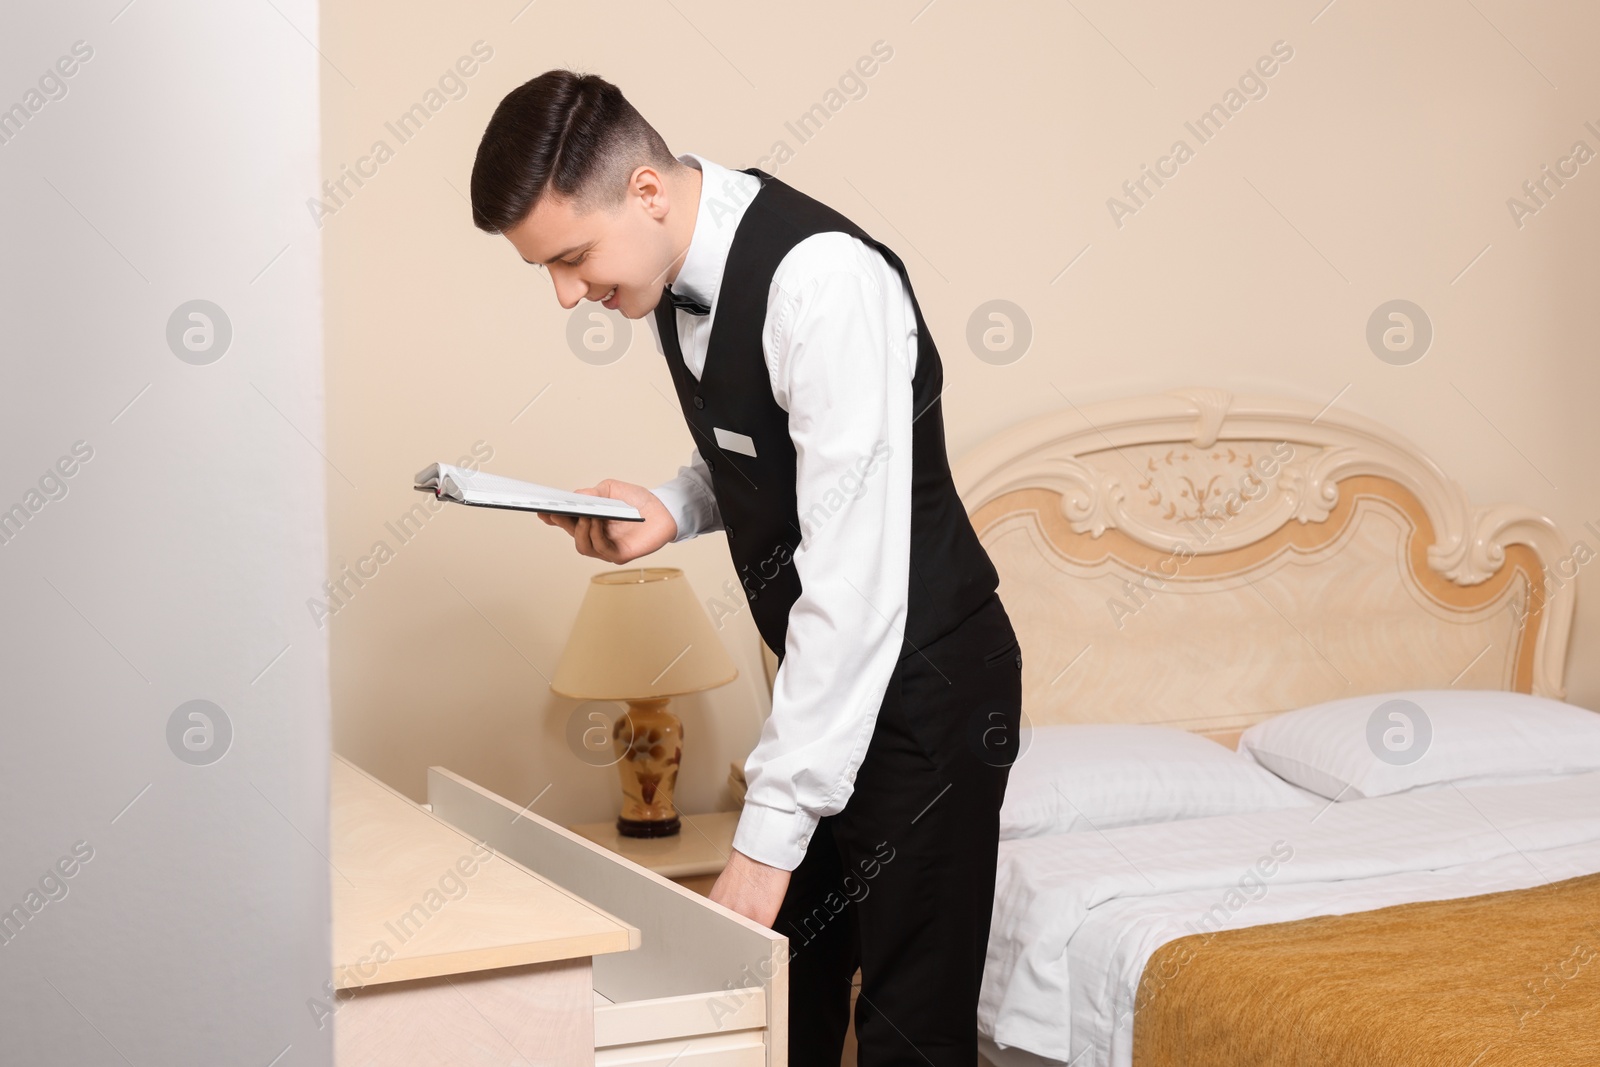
(901, 882)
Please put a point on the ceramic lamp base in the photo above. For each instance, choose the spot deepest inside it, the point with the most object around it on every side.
(648, 828)
(648, 740)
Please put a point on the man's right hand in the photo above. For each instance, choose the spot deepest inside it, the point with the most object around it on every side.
(615, 540)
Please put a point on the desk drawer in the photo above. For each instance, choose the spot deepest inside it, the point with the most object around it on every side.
(705, 988)
(720, 1050)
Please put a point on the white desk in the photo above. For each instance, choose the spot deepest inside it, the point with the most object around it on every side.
(556, 951)
(444, 951)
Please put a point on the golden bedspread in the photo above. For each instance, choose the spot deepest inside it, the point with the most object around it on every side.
(1484, 981)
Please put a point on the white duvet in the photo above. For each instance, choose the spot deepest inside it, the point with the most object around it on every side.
(1076, 916)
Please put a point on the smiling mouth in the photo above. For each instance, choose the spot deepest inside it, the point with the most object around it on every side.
(609, 300)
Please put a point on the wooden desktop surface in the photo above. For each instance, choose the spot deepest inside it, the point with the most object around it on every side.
(409, 886)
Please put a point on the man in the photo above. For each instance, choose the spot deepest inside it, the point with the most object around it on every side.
(806, 374)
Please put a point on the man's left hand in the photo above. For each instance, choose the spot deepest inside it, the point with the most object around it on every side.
(751, 888)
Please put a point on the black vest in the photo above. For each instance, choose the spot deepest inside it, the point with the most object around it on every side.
(951, 575)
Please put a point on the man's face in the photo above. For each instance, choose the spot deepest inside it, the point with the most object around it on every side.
(621, 256)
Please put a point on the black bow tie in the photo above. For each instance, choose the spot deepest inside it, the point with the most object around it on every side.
(685, 303)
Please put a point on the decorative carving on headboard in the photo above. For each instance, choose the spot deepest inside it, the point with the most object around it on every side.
(1210, 474)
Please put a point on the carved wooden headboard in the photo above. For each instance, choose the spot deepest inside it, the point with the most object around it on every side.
(1205, 560)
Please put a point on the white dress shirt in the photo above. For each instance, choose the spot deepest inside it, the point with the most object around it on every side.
(840, 342)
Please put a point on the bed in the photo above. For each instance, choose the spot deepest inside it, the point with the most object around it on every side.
(1201, 562)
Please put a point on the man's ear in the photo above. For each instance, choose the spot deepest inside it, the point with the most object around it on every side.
(655, 187)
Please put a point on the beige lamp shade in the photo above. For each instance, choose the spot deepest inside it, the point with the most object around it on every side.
(641, 633)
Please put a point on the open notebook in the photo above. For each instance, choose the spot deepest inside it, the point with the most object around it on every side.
(493, 491)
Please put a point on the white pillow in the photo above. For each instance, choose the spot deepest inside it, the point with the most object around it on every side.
(1094, 776)
(1386, 743)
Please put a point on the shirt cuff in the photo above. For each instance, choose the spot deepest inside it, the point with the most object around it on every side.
(773, 836)
(688, 505)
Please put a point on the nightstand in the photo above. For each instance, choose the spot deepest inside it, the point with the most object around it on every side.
(692, 857)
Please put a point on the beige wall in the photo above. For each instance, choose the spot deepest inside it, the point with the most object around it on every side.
(984, 150)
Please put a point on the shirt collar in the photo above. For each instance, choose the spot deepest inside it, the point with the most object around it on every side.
(724, 195)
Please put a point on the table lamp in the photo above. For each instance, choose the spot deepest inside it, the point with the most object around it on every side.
(642, 637)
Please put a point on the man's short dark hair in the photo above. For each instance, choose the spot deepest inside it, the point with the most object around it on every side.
(572, 134)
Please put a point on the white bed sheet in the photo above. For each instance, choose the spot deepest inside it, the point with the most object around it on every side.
(1077, 916)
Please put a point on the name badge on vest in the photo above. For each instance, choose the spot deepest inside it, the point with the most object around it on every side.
(735, 442)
